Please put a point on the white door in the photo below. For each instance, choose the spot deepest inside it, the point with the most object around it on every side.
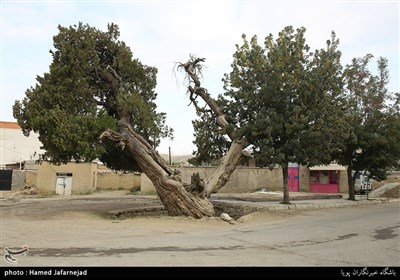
(64, 185)
(68, 185)
(60, 185)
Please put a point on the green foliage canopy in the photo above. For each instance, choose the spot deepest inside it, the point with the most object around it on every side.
(285, 100)
(374, 115)
(93, 81)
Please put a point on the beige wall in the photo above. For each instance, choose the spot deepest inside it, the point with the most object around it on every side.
(30, 178)
(86, 177)
(243, 179)
(113, 180)
(343, 184)
(304, 179)
(83, 176)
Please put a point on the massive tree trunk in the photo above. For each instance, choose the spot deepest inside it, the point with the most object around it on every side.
(180, 198)
(172, 192)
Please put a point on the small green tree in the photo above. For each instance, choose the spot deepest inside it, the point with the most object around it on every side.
(373, 113)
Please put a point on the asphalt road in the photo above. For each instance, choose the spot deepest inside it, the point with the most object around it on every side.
(355, 236)
(366, 235)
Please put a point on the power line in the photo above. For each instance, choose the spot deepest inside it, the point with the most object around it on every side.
(13, 150)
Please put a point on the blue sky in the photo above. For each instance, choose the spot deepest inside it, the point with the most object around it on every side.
(161, 33)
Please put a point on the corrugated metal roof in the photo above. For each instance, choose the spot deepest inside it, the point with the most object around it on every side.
(10, 125)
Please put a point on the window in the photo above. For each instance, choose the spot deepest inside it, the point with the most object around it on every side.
(323, 177)
(314, 175)
(333, 177)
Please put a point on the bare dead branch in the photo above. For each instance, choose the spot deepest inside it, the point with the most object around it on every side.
(193, 68)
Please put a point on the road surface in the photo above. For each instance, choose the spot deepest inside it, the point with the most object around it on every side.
(366, 235)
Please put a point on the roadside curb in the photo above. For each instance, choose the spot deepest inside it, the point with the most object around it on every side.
(309, 204)
(327, 205)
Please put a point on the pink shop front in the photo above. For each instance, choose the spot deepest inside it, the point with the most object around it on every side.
(328, 179)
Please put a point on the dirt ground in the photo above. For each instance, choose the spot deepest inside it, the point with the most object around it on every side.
(111, 205)
(28, 205)
(55, 227)
(86, 220)
(24, 214)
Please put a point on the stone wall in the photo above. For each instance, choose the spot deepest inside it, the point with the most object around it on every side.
(18, 180)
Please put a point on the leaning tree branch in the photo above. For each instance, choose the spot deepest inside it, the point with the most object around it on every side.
(150, 150)
(116, 82)
(193, 68)
(237, 149)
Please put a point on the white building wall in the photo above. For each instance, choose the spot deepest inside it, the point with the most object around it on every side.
(15, 147)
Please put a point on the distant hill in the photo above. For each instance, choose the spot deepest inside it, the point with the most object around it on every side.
(178, 159)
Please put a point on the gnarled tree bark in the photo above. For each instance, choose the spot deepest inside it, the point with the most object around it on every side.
(179, 198)
(237, 149)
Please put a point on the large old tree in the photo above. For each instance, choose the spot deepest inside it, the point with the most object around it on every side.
(95, 90)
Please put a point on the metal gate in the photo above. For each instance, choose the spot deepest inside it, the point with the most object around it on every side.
(5, 180)
(293, 179)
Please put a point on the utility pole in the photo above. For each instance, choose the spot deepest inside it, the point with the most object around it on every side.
(169, 155)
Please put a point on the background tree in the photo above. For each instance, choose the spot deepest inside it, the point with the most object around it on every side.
(374, 115)
(96, 90)
(278, 103)
(211, 143)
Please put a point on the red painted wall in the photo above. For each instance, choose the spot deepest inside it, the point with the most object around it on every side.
(293, 179)
(325, 188)
(324, 181)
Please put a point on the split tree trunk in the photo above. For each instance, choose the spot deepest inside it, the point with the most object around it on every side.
(176, 199)
(180, 198)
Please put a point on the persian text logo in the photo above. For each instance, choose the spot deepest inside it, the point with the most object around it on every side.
(10, 254)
